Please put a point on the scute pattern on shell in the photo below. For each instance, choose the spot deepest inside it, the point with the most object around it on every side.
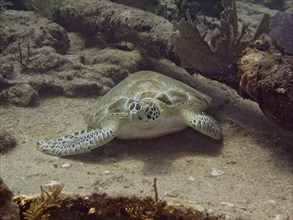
(142, 85)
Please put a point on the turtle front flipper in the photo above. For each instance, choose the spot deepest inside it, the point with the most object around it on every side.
(77, 143)
(203, 123)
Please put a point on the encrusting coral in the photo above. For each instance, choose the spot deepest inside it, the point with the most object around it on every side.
(52, 204)
(4, 3)
(5, 193)
(267, 79)
(8, 209)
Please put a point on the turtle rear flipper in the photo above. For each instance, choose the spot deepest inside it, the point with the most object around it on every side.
(204, 124)
(76, 143)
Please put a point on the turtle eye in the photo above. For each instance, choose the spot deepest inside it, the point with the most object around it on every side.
(137, 106)
(131, 107)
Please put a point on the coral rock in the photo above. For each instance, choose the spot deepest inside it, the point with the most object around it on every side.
(7, 141)
(8, 209)
(281, 30)
(23, 95)
(268, 79)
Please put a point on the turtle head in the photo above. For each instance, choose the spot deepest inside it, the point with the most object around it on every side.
(143, 114)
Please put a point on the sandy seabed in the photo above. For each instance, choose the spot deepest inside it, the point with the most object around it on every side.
(248, 175)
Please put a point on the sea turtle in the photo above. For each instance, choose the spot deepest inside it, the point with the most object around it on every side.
(144, 105)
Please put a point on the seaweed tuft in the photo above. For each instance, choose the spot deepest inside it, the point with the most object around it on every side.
(40, 207)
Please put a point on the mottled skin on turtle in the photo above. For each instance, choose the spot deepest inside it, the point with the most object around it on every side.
(144, 105)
